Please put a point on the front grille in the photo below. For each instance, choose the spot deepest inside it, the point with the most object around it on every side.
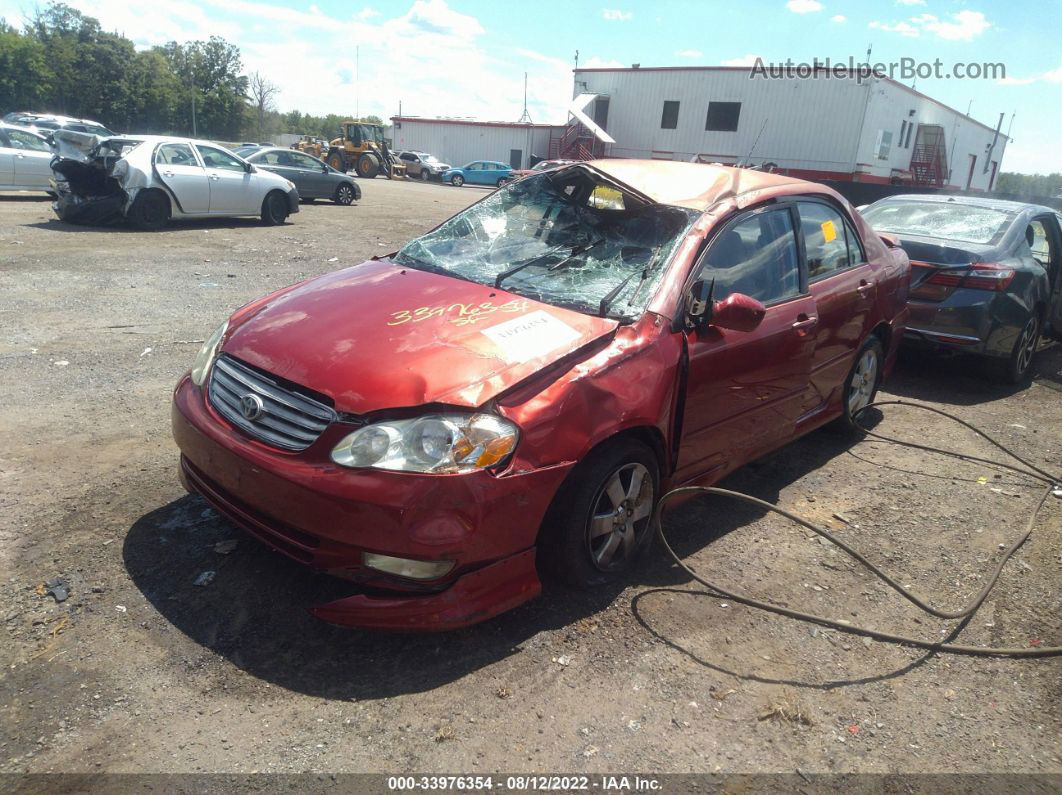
(262, 408)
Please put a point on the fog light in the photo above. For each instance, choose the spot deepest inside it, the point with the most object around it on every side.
(404, 567)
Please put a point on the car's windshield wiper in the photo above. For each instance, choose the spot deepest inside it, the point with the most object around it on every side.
(610, 296)
(575, 252)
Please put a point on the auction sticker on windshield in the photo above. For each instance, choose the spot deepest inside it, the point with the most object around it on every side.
(528, 336)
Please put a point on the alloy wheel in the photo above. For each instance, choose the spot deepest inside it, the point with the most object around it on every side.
(1027, 345)
(345, 195)
(620, 517)
(864, 379)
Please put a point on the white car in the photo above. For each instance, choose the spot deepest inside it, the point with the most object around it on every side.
(25, 159)
(151, 179)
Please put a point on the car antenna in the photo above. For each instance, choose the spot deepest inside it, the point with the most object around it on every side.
(748, 157)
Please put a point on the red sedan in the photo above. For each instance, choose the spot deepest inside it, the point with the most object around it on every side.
(515, 389)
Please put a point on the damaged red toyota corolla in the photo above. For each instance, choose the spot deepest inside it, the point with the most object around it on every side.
(514, 390)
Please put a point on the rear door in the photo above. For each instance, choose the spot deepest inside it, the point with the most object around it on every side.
(31, 160)
(231, 188)
(745, 390)
(7, 161)
(181, 172)
(842, 283)
(1048, 252)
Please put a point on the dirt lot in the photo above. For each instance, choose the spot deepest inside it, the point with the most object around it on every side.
(140, 670)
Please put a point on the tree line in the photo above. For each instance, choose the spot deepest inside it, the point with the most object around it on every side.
(63, 62)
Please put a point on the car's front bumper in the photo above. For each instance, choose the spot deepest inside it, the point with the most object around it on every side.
(293, 200)
(326, 516)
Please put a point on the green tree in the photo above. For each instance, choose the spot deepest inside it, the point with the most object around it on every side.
(26, 80)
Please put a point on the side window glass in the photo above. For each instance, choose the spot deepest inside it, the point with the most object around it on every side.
(215, 158)
(305, 161)
(855, 250)
(756, 256)
(22, 140)
(824, 239)
(176, 155)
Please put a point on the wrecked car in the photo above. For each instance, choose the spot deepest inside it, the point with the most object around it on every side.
(151, 179)
(513, 391)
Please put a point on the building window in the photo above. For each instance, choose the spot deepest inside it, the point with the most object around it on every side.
(907, 141)
(899, 138)
(669, 118)
(884, 144)
(723, 116)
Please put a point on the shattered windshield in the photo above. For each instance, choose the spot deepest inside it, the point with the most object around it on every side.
(964, 223)
(563, 238)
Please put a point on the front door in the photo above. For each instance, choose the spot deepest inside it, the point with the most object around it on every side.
(745, 390)
(313, 181)
(180, 171)
(230, 183)
(842, 284)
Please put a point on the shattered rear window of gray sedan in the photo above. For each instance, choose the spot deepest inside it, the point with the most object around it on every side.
(964, 223)
(584, 239)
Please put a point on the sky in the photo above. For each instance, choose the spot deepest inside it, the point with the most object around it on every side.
(467, 58)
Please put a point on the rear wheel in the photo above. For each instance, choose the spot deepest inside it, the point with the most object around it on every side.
(274, 209)
(1017, 368)
(367, 167)
(457, 180)
(150, 211)
(599, 523)
(502, 182)
(344, 194)
(863, 381)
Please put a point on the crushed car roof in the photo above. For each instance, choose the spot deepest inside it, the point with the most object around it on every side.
(695, 186)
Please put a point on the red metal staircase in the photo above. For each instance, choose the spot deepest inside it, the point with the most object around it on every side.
(576, 142)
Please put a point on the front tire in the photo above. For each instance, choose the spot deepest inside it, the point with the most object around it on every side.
(423, 175)
(275, 209)
(1017, 368)
(344, 195)
(599, 523)
(367, 167)
(457, 180)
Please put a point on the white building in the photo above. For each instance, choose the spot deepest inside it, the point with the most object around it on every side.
(459, 142)
(874, 130)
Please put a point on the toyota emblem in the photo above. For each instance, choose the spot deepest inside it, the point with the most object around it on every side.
(251, 407)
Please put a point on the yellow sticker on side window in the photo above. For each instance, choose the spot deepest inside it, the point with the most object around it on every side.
(829, 231)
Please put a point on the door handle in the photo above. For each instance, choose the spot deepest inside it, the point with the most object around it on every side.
(864, 287)
(805, 323)
(167, 173)
(215, 177)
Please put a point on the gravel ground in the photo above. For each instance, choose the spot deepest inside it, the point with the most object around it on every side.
(139, 670)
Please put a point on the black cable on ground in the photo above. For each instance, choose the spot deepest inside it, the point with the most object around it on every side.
(1037, 473)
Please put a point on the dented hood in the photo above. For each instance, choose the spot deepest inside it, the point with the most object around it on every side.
(379, 336)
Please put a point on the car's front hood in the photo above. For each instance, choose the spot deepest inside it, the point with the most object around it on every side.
(379, 336)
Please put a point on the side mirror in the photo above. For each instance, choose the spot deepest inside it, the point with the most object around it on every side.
(738, 312)
(248, 168)
(699, 304)
(889, 240)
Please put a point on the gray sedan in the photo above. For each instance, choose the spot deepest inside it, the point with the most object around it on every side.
(986, 274)
(314, 179)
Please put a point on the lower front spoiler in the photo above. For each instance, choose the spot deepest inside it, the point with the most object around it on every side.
(475, 597)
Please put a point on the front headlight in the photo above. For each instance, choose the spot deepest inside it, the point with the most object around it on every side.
(436, 443)
(206, 355)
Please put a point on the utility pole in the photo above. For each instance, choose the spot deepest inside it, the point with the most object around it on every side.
(195, 134)
(357, 82)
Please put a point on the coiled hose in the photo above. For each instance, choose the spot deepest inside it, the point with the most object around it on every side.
(1030, 470)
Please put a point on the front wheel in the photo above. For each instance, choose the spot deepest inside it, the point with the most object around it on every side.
(1018, 366)
(367, 167)
(457, 180)
(344, 194)
(274, 209)
(599, 523)
(423, 175)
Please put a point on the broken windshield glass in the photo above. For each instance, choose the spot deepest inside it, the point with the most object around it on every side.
(561, 238)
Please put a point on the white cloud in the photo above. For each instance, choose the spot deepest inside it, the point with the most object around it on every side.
(963, 26)
(838, 18)
(1052, 76)
(616, 15)
(745, 60)
(804, 6)
(689, 53)
(910, 2)
(902, 28)
(368, 13)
